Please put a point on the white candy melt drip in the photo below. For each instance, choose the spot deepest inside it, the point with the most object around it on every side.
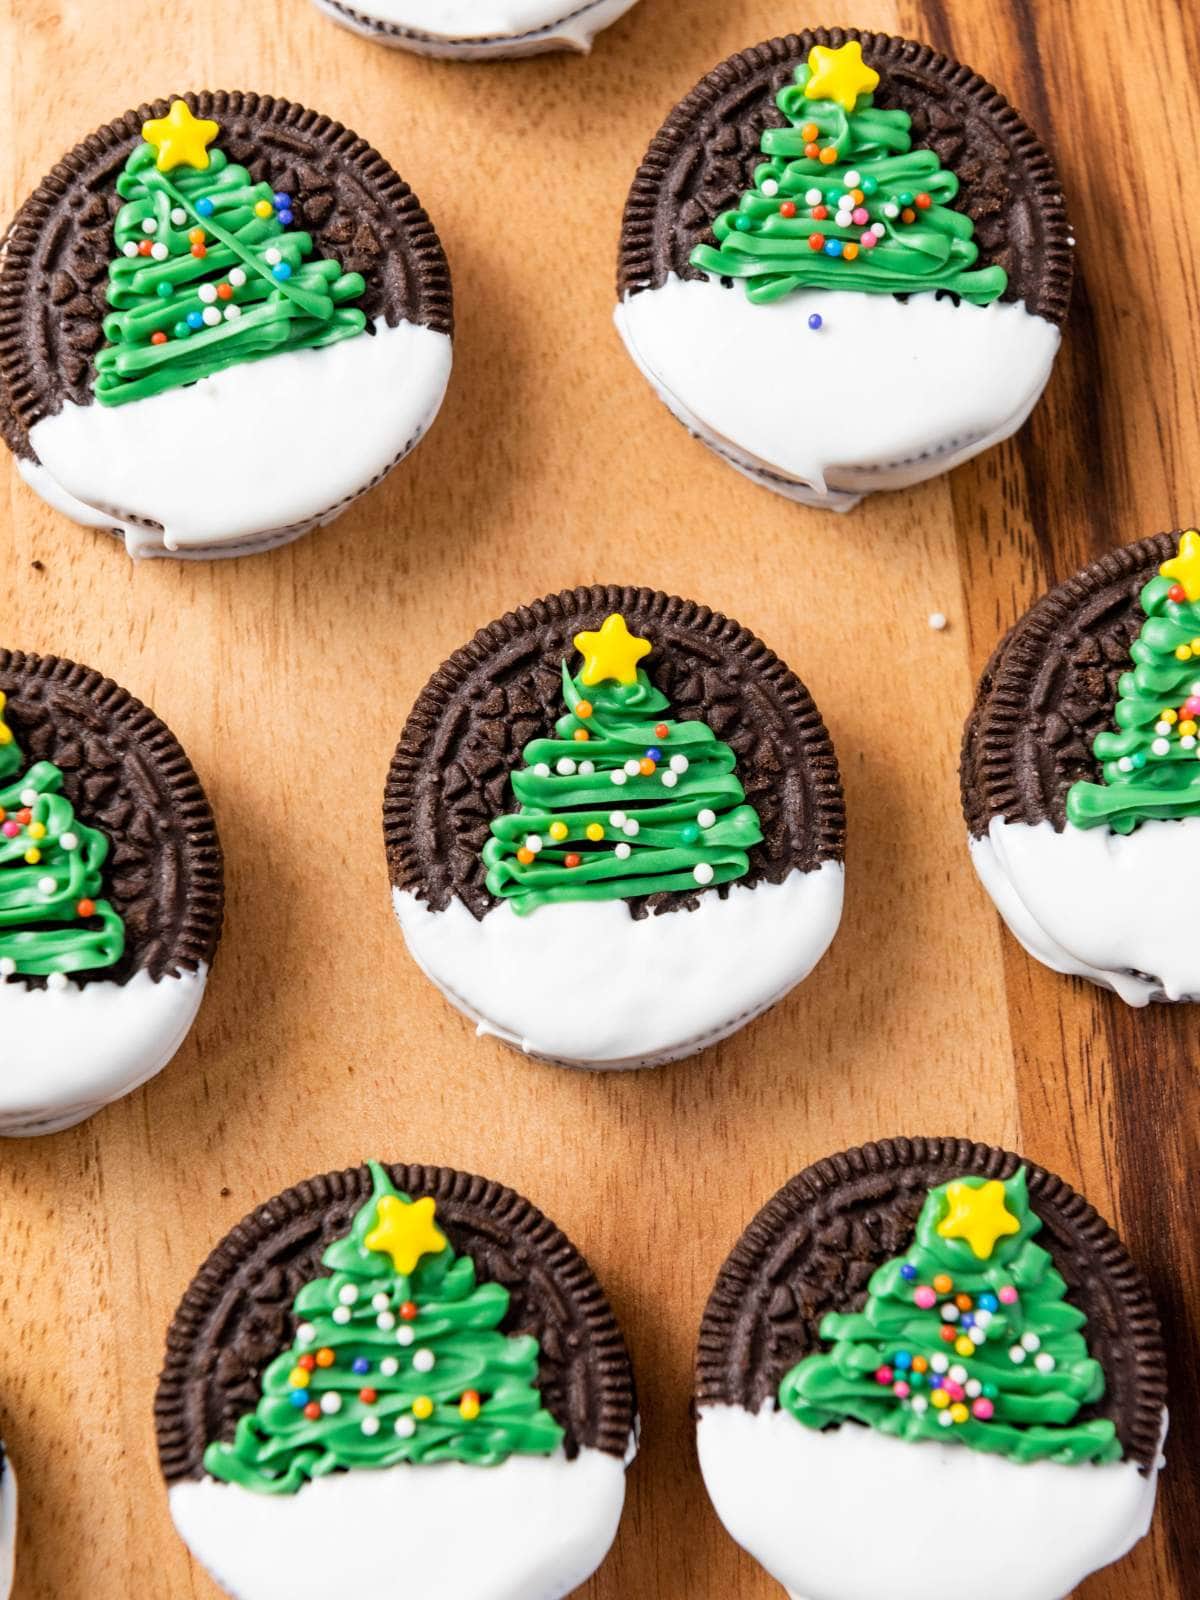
(470, 30)
(533, 1528)
(64, 1053)
(1115, 908)
(8, 1527)
(885, 394)
(586, 984)
(853, 1514)
(262, 447)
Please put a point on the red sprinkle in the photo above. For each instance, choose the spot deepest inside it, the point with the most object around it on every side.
(145, 247)
(788, 208)
(158, 338)
(820, 213)
(572, 860)
(924, 202)
(199, 251)
(312, 1411)
(307, 1363)
(408, 1312)
(224, 291)
(368, 1396)
(86, 908)
(661, 730)
(1177, 593)
(816, 241)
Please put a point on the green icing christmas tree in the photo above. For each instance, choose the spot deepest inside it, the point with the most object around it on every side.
(210, 272)
(53, 920)
(622, 801)
(968, 1337)
(397, 1358)
(1151, 766)
(843, 201)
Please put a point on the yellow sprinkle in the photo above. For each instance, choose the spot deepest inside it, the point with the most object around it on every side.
(298, 1378)
(6, 736)
(1183, 653)
(558, 830)
(263, 208)
(422, 1407)
(940, 1399)
(37, 830)
(964, 1346)
(959, 1413)
(595, 831)
(33, 857)
(1187, 728)
(470, 1409)
(1195, 646)
(1168, 715)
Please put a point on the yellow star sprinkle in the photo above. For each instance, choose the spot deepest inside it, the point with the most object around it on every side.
(181, 139)
(405, 1232)
(613, 652)
(840, 75)
(978, 1215)
(1184, 568)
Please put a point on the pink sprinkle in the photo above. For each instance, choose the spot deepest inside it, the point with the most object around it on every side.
(883, 1375)
(901, 1389)
(954, 1390)
(868, 240)
(1192, 704)
(1008, 1295)
(11, 830)
(984, 1410)
(925, 1297)
(860, 215)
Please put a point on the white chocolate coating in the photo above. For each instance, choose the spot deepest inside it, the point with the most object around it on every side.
(852, 1514)
(585, 984)
(251, 456)
(65, 1053)
(8, 1527)
(482, 30)
(1113, 908)
(885, 394)
(533, 1528)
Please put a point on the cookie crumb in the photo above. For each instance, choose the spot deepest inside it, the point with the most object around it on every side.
(937, 621)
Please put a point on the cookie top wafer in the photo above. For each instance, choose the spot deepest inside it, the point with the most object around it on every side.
(125, 775)
(237, 1315)
(57, 250)
(705, 154)
(813, 1249)
(450, 773)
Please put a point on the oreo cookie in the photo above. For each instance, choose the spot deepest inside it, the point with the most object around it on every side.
(222, 318)
(467, 31)
(378, 1360)
(844, 264)
(111, 893)
(615, 828)
(941, 1342)
(1080, 777)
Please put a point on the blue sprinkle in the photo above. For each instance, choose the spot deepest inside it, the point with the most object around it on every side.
(299, 1398)
(166, 290)
(815, 322)
(907, 1270)
(281, 201)
(833, 247)
(281, 270)
(988, 1302)
(205, 207)
(968, 1319)
(195, 320)
(285, 218)
(361, 1365)
(903, 1360)
(654, 753)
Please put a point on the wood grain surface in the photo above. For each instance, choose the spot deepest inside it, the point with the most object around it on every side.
(288, 677)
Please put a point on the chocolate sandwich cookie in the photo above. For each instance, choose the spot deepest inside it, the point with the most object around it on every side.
(1080, 777)
(8, 1523)
(941, 1343)
(378, 1361)
(844, 264)
(111, 893)
(469, 31)
(615, 828)
(222, 318)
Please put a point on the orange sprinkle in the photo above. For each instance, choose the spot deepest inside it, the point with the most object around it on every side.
(325, 1358)
(812, 151)
(908, 215)
(86, 908)
(199, 252)
(646, 766)
(24, 816)
(943, 1283)
(224, 291)
(525, 856)
(809, 131)
(582, 735)
(849, 253)
(963, 1302)
(828, 156)
(857, 196)
(196, 236)
(920, 1364)
(584, 709)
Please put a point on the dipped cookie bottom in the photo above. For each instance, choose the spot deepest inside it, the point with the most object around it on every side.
(575, 30)
(850, 1513)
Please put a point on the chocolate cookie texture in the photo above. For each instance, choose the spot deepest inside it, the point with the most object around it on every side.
(466, 31)
(921, 1313)
(1079, 833)
(860, 208)
(112, 886)
(427, 1325)
(679, 797)
(150, 274)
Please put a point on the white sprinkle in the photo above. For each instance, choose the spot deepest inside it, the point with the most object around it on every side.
(1125, 764)
(541, 770)
(843, 219)
(1016, 1355)
(404, 1334)
(679, 763)
(618, 776)
(586, 768)
(348, 1294)
(949, 1312)
(982, 1318)
(47, 885)
(237, 277)
(977, 1334)
(957, 1373)
(1045, 1362)
(341, 1314)
(178, 216)
(974, 1389)
(945, 1420)
(149, 225)
(7, 967)
(919, 1404)
(706, 817)
(1160, 747)
(669, 779)
(623, 852)
(370, 1426)
(1188, 742)
(386, 1320)
(939, 1362)
(1071, 239)
(813, 197)
(424, 1361)
(631, 828)
(211, 316)
(129, 249)
(405, 1427)
(533, 842)
(937, 621)
(853, 179)
(57, 980)
(633, 767)
(380, 1301)
(1162, 727)
(29, 797)
(272, 257)
(770, 188)
(159, 252)
(306, 1333)
(702, 872)
(878, 229)
(564, 765)
(207, 293)
(891, 209)
(389, 1366)
(331, 1404)
(616, 819)
(1031, 1342)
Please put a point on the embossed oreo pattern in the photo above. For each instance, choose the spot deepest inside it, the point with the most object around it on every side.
(125, 773)
(705, 154)
(464, 737)
(236, 1316)
(1051, 687)
(813, 1247)
(58, 247)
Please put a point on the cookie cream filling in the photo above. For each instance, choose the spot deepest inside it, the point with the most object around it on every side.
(486, 27)
(884, 394)
(586, 984)
(8, 1526)
(533, 1528)
(853, 1514)
(65, 1053)
(264, 446)
(1111, 907)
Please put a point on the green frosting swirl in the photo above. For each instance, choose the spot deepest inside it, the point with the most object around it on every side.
(1150, 767)
(589, 828)
(1021, 1399)
(255, 307)
(52, 919)
(771, 250)
(387, 1368)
